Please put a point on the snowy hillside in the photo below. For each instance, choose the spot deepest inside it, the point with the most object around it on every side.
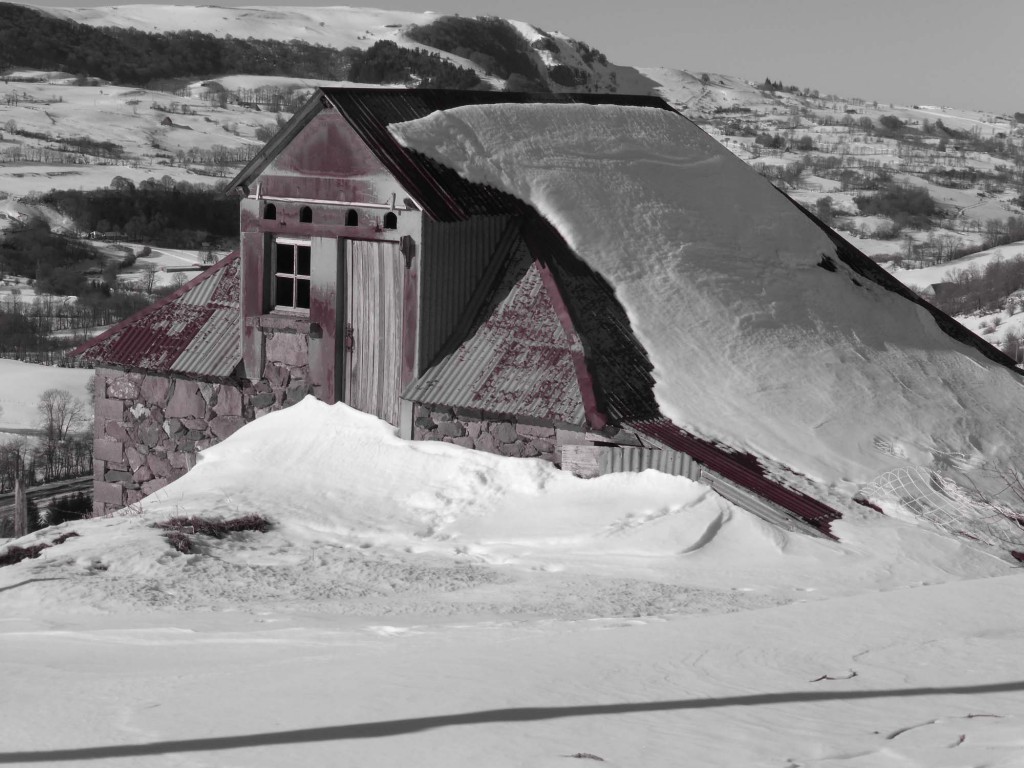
(473, 610)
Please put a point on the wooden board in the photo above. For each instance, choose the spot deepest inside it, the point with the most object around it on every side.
(374, 273)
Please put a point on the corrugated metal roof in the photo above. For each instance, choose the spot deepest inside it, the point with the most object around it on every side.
(618, 365)
(444, 194)
(740, 468)
(515, 360)
(193, 331)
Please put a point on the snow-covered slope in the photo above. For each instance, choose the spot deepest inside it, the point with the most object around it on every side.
(760, 337)
(475, 610)
(336, 26)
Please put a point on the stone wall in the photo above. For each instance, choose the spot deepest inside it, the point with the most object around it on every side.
(149, 428)
(501, 435)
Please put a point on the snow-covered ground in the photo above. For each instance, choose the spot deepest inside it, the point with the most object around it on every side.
(21, 384)
(474, 610)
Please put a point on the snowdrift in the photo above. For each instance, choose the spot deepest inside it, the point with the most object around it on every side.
(366, 523)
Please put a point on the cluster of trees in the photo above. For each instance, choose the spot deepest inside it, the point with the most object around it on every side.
(1003, 231)
(162, 212)
(56, 262)
(777, 141)
(906, 205)
(274, 98)
(489, 42)
(771, 86)
(386, 62)
(981, 289)
(131, 57)
(62, 450)
(588, 53)
(28, 329)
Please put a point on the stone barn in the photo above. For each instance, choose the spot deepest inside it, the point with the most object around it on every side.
(370, 275)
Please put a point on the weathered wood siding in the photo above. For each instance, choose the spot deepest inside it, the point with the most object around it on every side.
(326, 313)
(322, 181)
(374, 319)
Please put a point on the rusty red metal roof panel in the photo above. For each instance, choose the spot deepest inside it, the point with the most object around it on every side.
(516, 360)
(191, 331)
(444, 194)
(741, 468)
(618, 365)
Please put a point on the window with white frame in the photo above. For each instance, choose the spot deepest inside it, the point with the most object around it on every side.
(291, 270)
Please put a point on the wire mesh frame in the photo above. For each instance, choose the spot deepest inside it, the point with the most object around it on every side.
(949, 506)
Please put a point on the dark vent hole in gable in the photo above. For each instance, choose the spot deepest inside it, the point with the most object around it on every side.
(390, 220)
(270, 211)
(352, 219)
(305, 215)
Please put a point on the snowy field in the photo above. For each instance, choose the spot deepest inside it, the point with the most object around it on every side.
(473, 610)
(21, 384)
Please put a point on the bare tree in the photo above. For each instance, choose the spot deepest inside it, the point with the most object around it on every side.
(147, 280)
(60, 413)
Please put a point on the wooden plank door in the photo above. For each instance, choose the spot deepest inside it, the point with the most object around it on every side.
(374, 278)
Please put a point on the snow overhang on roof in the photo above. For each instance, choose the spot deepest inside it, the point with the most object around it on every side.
(192, 332)
(767, 332)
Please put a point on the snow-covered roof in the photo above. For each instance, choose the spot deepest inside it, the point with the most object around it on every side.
(193, 331)
(766, 334)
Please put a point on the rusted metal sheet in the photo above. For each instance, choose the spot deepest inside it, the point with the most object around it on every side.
(455, 258)
(742, 470)
(373, 313)
(615, 370)
(752, 502)
(516, 360)
(193, 331)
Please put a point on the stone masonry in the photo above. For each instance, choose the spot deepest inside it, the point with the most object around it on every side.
(149, 428)
(493, 434)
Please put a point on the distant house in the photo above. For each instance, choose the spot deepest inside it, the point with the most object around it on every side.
(371, 275)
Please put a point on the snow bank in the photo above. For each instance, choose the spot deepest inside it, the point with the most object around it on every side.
(424, 599)
(368, 524)
(754, 343)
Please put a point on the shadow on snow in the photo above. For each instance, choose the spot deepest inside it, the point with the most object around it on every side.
(384, 728)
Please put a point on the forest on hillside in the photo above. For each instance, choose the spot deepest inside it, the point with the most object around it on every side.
(159, 212)
(489, 42)
(33, 39)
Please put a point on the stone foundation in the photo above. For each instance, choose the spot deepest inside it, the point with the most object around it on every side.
(501, 435)
(149, 428)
